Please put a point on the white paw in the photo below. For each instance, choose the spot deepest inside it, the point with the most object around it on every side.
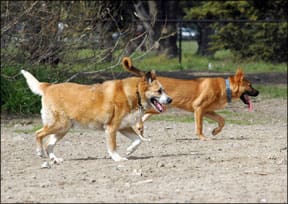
(133, 146)
(57, 160)
(54, 159)
(116, 157)
(145, 139)
(40, 153)
(130, 150)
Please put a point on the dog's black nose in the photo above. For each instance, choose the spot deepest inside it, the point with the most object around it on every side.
(169, 100)
(255, 92)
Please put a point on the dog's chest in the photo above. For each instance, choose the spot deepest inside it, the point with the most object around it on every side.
(131, 118)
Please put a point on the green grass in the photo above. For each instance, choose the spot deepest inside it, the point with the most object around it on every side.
(272, 91)
(242, 118)
(29, 131)
(37, 127)
(222, 61)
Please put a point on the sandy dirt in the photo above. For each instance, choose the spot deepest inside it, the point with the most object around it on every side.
(246, 162)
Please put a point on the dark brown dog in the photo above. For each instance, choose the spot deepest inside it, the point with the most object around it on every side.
(205, 95)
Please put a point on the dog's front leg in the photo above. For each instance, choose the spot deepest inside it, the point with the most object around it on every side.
(131, 134)
(111, 143)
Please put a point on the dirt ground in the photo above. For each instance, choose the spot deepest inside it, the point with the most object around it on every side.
(246, 162)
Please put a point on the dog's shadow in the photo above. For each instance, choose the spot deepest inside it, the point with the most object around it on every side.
(162, 155)
(186, 139)
(211, 138)
(88, 158)
(165, 155)
(138, 157)
(106, 158)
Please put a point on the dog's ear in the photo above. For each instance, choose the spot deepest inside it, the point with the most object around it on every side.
(150, 76)
(239, 76)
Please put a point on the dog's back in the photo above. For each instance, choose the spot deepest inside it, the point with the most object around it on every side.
(187, 94)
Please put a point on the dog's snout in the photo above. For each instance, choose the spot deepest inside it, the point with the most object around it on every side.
(169, 100)
(165, 99)
(254, 92)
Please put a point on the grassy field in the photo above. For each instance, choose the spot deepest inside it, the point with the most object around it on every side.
(272, 91)
(230, 117)
(222, 61)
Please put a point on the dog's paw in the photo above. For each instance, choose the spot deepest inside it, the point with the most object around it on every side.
(203, 138)
(116, 157)
(144, 138)
(120, 159)
(40, 153)
(133, 146)
(56, 160)
(130, 150)
(216, 131)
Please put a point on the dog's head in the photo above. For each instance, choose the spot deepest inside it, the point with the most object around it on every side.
(149, 88)
(243, 88)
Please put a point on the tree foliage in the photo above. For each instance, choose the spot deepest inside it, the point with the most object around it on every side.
(48, 31)
(45, 31)
(253, 31)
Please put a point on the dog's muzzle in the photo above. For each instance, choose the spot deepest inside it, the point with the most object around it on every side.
(158, 103)
(245, 97)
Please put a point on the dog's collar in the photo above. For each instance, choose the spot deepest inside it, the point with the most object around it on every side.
(140, 106)
(228, 90)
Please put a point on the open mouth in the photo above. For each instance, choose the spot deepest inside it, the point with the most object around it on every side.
(157, 105)
(246, 99)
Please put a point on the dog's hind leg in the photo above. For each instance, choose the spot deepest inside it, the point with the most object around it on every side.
(50, 144)
(56, 131)
(198, 116)
(220, 120)
(41, 134)
(39, 141)
(136, 140)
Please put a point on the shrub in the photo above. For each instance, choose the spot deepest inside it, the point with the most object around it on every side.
(16, 97)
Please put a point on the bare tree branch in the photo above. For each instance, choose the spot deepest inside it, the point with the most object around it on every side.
(9, 26)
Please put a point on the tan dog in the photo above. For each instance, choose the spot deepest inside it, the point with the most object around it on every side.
(205, 95)
(114, 105)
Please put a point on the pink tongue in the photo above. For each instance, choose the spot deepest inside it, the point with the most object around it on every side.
(158, 105)
(250, 105)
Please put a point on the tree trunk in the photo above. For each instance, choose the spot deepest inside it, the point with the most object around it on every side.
(204, 39)
(166, 10)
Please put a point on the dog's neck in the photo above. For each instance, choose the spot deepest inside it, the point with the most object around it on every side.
(228, 91)
(139, 103)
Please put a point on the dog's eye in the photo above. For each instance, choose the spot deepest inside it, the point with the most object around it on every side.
(159, 91)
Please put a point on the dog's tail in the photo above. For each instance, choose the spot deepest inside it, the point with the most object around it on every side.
(127, 64)
(33, 83)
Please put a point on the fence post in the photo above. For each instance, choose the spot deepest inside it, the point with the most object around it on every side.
(180, 43)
